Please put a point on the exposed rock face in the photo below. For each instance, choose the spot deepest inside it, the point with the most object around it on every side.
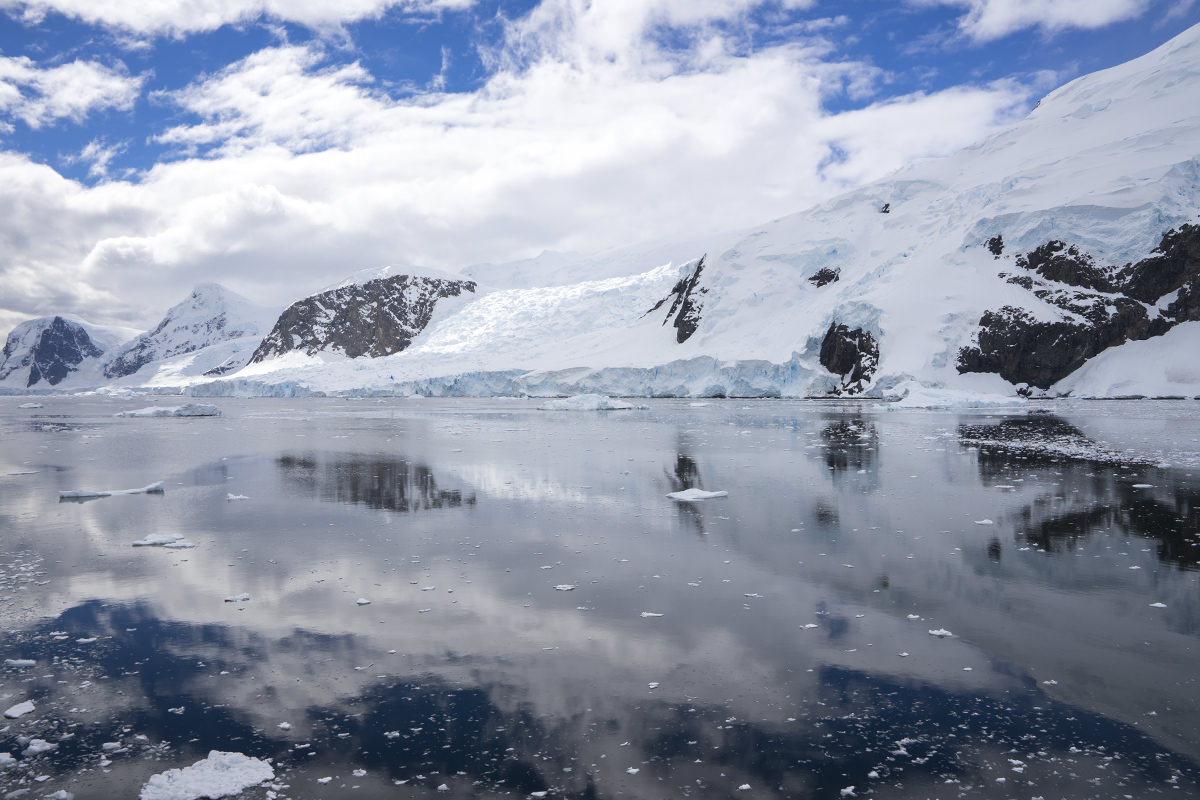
(376, 318)
(825, 276)
(50, 348)
(1101, 307)
(995, 245)
(685, 309)
(850, 353)
(209, 315)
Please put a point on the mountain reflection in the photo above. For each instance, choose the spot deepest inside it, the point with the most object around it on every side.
(1093, 491)
(382, 483)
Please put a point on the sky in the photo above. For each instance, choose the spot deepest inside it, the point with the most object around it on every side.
(277, 146)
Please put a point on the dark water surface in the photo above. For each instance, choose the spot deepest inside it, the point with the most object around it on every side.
(772, 643)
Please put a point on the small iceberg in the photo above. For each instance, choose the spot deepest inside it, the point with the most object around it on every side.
(238, 598)
(219, 775)
(19, 710)
(692, 495)
(173, 541)
(87, 494)
(585, 402)
(941, 633)
(30, 405)
(185, 410)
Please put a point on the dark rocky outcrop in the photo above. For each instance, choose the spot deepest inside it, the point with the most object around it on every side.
(995, 245)
(688, 302)
(375, 318)
(825, 276)
(1101, 307)
(851, 353)
(51, 350)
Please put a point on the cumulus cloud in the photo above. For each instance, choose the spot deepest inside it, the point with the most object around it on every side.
(181, 17)
(992, 19)
(38, 95)
(595, 130)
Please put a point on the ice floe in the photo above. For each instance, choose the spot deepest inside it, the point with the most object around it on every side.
(220, 775)
(84, 494)
(231, 497)
(172, 541)
(362, 601)
(238, 598)
(564, 587)
(19, 662)
(30, 405)
(185, 410)
(692, 495)
(585, 402)
(19, 710)
(941, 633)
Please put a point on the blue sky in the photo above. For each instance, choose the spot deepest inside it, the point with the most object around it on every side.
(277, 146)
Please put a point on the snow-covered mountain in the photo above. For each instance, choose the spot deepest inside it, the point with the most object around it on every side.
(214, 331)
(1060, 255)
(57, 351)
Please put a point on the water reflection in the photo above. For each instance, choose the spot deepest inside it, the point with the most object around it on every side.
(382, 483)
(1089, 491)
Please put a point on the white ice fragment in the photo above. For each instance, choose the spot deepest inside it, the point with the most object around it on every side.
(1143, 486)
(80, 494)
(653, 684)
(443, 787)
(646, 614)
(941, 633)
(284, 726)
(185, 410)
(230, 497)
(238, 598)
(847, 792)
(6, 760)
(984, 522)
(914, 616)
(87, 640)
(692, 495)
(19, 710)
(362, 601)
(564, 587)
(37, 747)
(745, 787)
(1158, 605)
(1050, 683)
(324, 780)
(809, 625)
(220, 775)
(158, 539)
(359, 773)
(633, 770)
(177, 710)
(30, 405)
(903, 654)
(19, 662)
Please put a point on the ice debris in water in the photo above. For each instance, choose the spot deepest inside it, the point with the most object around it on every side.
(19, 662)
(185, 410)
(362, 601)
(38, 746)
(1158, 605)
(220, 775)
(238, 598)
(646, 614)
(173, 540)
(941, 633)
(74, 494)
(564, 587)
(231, 497)
(692, 495)
(984, 522)
(585, 402)
(19, 710)
(30, 405)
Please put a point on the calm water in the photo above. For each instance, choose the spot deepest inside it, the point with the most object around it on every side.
(773, 643)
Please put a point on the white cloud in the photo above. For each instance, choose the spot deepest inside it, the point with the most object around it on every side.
(38, 95)
(590, 134)
(992, 19)
(180, 17)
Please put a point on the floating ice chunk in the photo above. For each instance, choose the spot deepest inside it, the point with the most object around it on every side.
(37, 747)
(229, 498)
(585, 402)
(847, 792)
(914, 616)
(30, 405)
(564, 587)
(325, 780)
(19, 710)
(1050, 683)
(238, 598)
(633, 770)
(61, 794)
(177, 710)
(745, 787)
(362, 601)
(903, 654)
(185, 410)
(359, 773)
(941, 633)
(1158, 605)
(19, 662)
(284, 726)
(1143, 486)
(809, 625)
(6, 760)
(646, 614)
(158, 540)
(984, 522)
(442, 787)
(653, 684)
(692, 495)
(219, 775)
(87, 640)
(84, 494)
